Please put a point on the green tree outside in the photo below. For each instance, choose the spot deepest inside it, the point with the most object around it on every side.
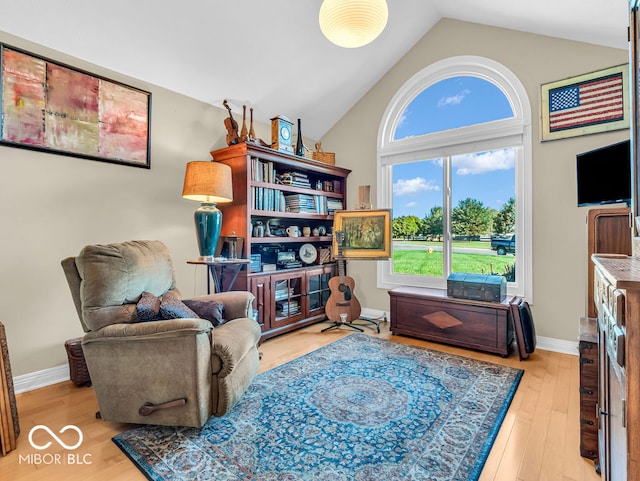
(505, 220)
(432, 224)
(406, 226)
(471, 218)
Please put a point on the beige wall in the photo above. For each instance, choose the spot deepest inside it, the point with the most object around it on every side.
(53, 205)
(559, 230)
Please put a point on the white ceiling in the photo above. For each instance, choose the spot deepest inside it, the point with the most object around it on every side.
(270, 54)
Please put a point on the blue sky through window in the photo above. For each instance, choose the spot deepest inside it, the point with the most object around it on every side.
(486, 176)
(451, 103)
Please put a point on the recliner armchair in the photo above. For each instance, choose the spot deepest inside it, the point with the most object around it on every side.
(175, 372)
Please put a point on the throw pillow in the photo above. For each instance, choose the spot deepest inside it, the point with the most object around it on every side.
(212, 311)
(172, 307)
(148, 307)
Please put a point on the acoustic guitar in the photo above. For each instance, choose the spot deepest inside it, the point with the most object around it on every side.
(342, 300)
(232, 127)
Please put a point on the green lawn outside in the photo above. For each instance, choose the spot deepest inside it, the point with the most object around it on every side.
(474, 244)
(422, 263)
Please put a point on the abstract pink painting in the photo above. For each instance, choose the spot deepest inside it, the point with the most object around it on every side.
(52, 107)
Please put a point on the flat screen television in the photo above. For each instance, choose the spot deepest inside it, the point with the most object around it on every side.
(604, 175)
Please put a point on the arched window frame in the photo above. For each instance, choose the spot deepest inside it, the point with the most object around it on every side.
(510, 132)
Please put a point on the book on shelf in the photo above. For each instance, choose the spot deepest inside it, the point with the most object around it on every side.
(264, 198)
(333, 205)
(303, 203)
(295, 179)
(262, 170)
(288, 308)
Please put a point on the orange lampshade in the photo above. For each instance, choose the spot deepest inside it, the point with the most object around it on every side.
(206, 181)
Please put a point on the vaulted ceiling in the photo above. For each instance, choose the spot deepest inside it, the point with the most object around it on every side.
(270, 54)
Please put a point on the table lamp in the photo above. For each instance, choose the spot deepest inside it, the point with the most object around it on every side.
(208, 183)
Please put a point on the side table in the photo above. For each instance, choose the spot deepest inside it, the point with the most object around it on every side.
(216, 270)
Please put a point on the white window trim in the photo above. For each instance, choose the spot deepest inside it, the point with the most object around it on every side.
(515, 131)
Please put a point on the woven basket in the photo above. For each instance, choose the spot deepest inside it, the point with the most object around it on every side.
(322, 156)
(77, 366)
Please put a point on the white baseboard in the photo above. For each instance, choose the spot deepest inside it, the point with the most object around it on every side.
(557, 345)
(35, 380)
(374, 314)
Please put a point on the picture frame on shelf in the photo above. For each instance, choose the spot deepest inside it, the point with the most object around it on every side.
(367, 233)
(52, 107)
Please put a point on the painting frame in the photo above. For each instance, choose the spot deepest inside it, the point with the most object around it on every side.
(587, 104)
(52, 107)
(375, 224)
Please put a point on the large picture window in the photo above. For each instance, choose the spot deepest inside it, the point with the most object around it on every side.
(455, 160)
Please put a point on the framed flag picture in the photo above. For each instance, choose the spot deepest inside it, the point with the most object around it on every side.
(587, 104)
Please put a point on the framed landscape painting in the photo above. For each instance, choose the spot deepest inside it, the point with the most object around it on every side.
(366, 234)
(51, 107)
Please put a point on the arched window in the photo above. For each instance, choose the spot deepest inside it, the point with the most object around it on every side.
(454, 154)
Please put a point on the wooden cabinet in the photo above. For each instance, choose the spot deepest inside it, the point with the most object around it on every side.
(617, 299)
(273, 193)
(588, 349)
(608, 232)
(291, 299)
(429, 314)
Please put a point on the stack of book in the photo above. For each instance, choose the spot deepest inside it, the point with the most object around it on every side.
(282, 290)
(333, 205)
(287, 309)
(300, 203)
(295, 179)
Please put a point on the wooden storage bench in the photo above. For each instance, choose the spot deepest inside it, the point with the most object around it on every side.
(429, 314)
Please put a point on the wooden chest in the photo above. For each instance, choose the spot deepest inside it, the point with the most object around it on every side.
(429, 314)
(588, 348)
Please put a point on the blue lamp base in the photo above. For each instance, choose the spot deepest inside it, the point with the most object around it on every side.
(208, 219)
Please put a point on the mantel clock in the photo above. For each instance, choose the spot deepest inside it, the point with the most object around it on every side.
(281, 134)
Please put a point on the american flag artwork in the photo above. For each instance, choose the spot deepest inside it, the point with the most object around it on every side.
(594, 101)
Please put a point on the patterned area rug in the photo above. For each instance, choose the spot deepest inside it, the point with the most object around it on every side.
(360, 409)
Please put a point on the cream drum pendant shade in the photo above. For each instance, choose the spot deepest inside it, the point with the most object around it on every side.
(353, 23)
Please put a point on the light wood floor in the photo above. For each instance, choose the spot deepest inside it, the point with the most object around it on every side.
(539, 439)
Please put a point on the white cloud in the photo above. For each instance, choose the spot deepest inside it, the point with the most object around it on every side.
(403, 118)
(414, 186)
(470, 164)
(453, 99)
(411, 204)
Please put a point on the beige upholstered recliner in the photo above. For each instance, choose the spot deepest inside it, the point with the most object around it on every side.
(175, 372)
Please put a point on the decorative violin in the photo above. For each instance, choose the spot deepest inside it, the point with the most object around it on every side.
(232, 127)
(342, 299)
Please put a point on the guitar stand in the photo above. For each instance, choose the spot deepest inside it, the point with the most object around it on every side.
(374, 321)
(343, 322)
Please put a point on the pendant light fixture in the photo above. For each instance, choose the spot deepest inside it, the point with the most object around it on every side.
(353, 23)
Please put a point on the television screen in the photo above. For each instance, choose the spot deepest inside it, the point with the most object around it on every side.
(604, 175)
